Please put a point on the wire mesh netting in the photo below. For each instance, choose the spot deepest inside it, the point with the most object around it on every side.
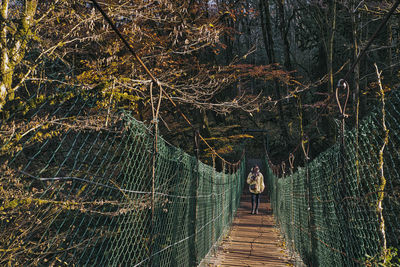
(343, 208)
(77, 189)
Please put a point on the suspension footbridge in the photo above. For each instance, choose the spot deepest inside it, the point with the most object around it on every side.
(77, 193)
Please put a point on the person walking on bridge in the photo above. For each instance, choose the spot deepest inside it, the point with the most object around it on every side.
(255, 179)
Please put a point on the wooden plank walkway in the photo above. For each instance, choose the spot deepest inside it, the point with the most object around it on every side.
(252, 241)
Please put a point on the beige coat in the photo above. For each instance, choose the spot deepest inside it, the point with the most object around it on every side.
(258, 182)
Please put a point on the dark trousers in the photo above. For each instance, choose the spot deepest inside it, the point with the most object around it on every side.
(255, 199)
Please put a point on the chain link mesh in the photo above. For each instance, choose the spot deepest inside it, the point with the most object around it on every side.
(76, 186)
(328, 211)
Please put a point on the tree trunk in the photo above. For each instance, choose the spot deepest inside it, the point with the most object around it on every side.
(356, 84)
(331, 38)
(284, 29)
(5, 73)
(267, 30)
(263, 30)
(389, 44)
(13, 45)
(269, 46)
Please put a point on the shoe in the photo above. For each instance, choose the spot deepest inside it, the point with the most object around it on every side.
(256, 211)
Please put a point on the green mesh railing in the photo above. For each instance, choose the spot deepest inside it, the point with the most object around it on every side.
(328, 211)
(77, 190)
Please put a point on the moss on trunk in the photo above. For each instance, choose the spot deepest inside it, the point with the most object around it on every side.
(13, 46)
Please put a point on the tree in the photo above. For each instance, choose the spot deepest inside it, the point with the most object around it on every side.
(269, 46)
(16, 23)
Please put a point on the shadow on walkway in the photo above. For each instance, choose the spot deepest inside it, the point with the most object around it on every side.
(252, 241)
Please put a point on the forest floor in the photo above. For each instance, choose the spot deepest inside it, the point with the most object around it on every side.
(253, 240)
